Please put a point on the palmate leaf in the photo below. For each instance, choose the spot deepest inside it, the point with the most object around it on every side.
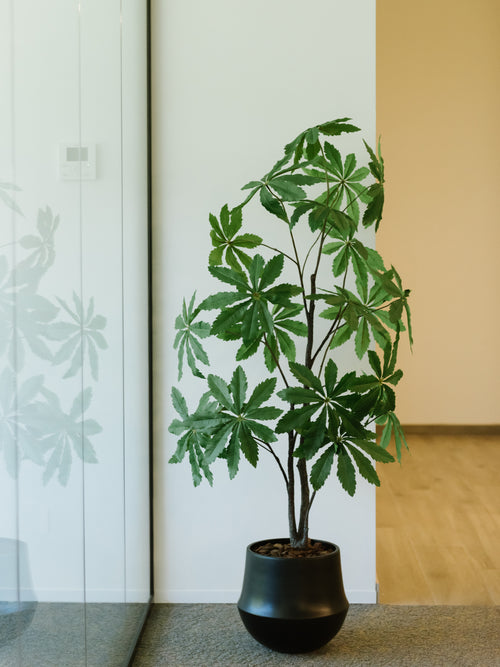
(247, 350)
(334, 128)
(227, 242)
(350, 251)
(306, 376)
(205, 433)
(374, 361)
(392, 427)
(217, 442)
(342, 334)
(230, 277)
(286, 344)
(405, 293)
(239, 421)
(272, 204)
(221, 392)
(294, 326)
(333, 402)
(271, 271)
(300, 210)
(271, 353)
(238, 387)
(376, 452)
(262, 392)
(279, 341)
(248, 445)
(195, 431)
(296, 419)
(345, 471)
(306, 144)
(195, 465)
(233, 453)
(365, 319)
(376, 164)
(322, 468)
(312, 438)
(362, 339)
(388, 285)
(187, 338)
(373, 212)
(251, 318)
(287, 188)
(363, 464)
(345, 180)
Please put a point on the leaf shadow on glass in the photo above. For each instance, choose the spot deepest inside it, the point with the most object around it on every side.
(37, 423)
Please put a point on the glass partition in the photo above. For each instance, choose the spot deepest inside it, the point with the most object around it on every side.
(74, 402)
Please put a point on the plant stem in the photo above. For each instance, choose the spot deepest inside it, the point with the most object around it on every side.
(332, 336)
(292, 523)
(264, 245)
(310, 324)
(268, 448)
(303, 530)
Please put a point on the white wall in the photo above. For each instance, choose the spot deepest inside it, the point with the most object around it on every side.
(233, 81)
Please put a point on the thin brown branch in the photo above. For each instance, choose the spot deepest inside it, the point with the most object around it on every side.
(268, 448)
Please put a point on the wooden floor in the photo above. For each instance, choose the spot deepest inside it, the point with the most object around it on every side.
(438, 522)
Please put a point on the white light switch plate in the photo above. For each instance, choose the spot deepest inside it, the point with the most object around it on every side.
(77, 161)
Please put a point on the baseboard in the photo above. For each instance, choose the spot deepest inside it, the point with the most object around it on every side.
(448, 429)
(78, 596)
(183, 596)
(231, 596)
(451, 429)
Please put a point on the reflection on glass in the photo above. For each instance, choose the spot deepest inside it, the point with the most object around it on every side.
(74, 498)
(16, 610)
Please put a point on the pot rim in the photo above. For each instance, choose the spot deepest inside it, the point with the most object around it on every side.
(282, 540)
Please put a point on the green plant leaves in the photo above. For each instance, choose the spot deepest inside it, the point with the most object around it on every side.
(345, 472)
(346, 180)
(272, 203)
(328, 403)
(196, 430)
(307, 143)
(255, 296)
(322, 468)
(224, 424)
(228, 244)
(392, 427)
(187, 339)
(329, 417)
(373, 212)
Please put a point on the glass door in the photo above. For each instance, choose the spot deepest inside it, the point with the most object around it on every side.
(74, 361)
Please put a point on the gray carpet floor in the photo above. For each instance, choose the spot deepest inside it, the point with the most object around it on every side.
(212, 635)
(72, 635)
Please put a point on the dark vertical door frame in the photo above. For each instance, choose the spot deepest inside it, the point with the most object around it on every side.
(150, 297)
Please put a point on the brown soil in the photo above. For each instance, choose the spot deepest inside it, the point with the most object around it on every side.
(279, 550)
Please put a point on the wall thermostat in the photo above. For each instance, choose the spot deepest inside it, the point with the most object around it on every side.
(77, 161)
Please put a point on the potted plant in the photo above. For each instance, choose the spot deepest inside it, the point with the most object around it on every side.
(324, 422)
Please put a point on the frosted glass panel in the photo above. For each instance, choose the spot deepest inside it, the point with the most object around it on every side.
(74, 452)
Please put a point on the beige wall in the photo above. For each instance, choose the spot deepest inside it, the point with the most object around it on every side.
(438, 111)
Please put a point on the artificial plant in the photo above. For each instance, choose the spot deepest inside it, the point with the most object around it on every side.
(327, 420)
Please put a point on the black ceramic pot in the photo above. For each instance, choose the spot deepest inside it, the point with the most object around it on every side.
(292, 605)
